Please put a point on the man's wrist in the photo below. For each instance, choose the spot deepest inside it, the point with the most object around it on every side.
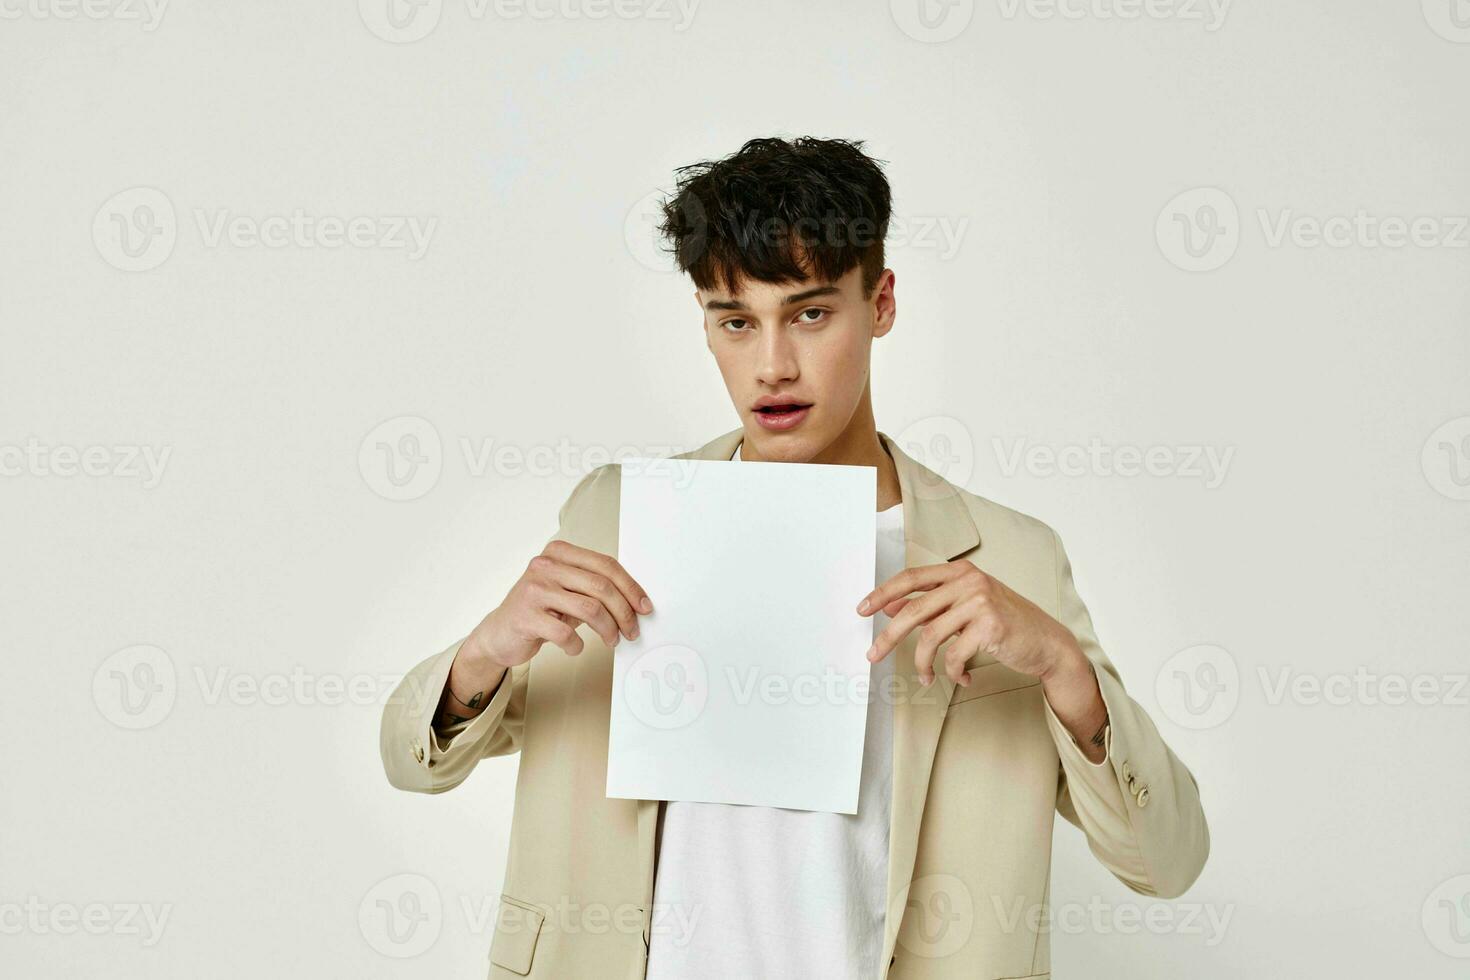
(479, 656)
(1069, 666)
(1072, 690)
(468, 689)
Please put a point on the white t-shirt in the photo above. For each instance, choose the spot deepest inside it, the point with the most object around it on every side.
(749, 892)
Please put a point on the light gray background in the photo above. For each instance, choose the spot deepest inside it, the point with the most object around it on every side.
(236, 789)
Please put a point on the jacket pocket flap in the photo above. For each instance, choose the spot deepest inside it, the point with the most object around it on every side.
(517, 926)
(993, 678)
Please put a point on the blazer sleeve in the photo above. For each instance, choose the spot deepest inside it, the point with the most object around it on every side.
(1140, 807)
(421, 759)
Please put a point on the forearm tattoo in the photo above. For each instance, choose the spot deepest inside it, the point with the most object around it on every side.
(448, 716)
(473, 702)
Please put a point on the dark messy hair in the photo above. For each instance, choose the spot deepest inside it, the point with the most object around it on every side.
(780, 210)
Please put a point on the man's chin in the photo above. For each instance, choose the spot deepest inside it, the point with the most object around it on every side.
(779, 447)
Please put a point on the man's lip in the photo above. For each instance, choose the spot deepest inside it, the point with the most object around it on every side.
(782, 421)
(770, 402)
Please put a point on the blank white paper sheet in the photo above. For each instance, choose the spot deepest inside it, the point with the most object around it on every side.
(748, 683)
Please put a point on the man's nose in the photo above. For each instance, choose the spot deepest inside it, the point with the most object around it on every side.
(777, 359)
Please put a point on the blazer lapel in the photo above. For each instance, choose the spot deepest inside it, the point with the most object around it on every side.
(937, 527)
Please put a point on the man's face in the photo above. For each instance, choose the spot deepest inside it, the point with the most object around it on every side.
(795, 357)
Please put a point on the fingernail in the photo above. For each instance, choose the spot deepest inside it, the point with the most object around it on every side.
(863, 607)
(925, 680)
(645, 604)
(872, 652)
(633, 635)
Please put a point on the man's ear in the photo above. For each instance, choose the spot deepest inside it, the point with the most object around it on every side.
(885, 307)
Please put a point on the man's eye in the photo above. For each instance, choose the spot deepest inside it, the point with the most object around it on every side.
(813, 315)
(735, 326)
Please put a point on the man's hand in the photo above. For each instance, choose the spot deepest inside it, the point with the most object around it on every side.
(562, 588)
(957, 599)
(960, 600)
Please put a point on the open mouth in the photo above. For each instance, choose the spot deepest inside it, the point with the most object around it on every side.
(780, 415)
(786, 409)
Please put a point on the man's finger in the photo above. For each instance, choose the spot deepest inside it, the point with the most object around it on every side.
(909, 580)
(965, 646)
(583, 608)
(931, 638)
(920, 610)
(551, 628)
(606, 565)
(603, 591)
(896, 606)
(941, 628)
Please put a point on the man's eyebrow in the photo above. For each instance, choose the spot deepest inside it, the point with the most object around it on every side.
(725, 304)
(802, 297)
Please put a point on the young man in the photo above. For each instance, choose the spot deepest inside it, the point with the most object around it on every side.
(1004, 709)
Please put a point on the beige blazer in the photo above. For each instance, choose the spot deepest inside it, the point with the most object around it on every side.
(978, 774)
